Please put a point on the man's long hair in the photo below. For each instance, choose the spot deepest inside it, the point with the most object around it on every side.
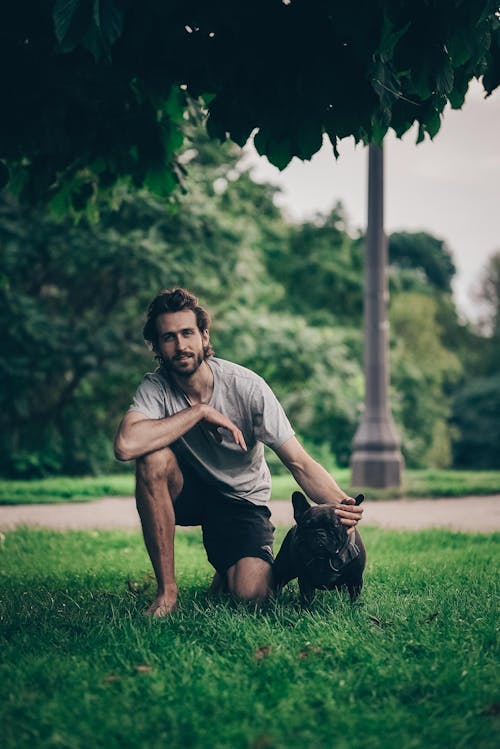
(174, 300)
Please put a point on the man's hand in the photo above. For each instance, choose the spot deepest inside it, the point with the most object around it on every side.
(216, 421)
(164, 603)
(317, 483)
(349, 513)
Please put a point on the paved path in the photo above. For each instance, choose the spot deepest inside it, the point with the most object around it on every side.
(481, 514)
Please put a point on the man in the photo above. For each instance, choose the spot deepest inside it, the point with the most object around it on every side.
(197, 429)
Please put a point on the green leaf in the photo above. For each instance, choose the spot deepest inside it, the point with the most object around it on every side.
(4, 174)
(19, 177)
(403, 116)
(241, 135)
(93, 42)
(60, 204)
(433, 123)
(308, 141)
(379, 130)
(207, 98)
(460, 87)
(172, 139)
(460, 47)
(175, 103)
(445, 78)
(241, 122)
(160, 180)
(491, 78)
(62, 15)
(390, 37)
(421, 79)
(97, 13)
(387, 87)
(108, 17)
(279, 153)
(215, 128)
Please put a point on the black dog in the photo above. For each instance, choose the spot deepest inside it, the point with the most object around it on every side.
(319, 551)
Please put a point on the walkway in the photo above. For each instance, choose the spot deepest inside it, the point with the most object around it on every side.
(476, 514)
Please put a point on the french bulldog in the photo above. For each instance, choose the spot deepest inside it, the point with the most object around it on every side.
(319, 551)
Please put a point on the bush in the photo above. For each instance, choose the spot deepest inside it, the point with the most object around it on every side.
(476, 414)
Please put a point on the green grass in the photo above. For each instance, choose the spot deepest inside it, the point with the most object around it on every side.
(412, 664)
(65, 489)
(417, 483)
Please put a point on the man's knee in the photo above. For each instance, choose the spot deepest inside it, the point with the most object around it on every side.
(158, 461)
(250, 579)
(159, 465)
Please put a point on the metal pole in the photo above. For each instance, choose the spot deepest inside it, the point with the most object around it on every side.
(376, 459)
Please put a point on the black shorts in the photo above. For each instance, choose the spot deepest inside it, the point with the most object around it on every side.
(232, 528)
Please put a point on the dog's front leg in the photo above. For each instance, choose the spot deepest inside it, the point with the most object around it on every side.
(307, 591)
(285, 565)
(354, 588)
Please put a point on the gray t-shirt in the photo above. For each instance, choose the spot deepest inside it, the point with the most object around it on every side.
(248, 402)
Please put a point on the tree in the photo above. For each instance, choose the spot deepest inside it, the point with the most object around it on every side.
(310, 368)
(97, 90)
(321, 267)
(476, 415)
(488, 296)
(424, 370)
(72, 301)
(476, 403)
(73, 298)
(421, 259)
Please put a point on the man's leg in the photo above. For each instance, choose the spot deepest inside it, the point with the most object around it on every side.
(250, 579)
(238, 538)
(218, 586)
(159, 482)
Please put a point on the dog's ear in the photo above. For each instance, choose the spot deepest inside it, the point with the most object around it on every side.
(300, 505)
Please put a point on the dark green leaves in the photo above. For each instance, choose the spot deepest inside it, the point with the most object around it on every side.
(292, 72)
(277, 150)
(4, 174)
(64, 14)
(445, 78)
(491, 77)
(96, 25)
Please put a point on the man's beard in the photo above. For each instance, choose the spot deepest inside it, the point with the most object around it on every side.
(174, 365)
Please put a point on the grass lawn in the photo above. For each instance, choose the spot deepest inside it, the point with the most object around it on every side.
(412, 664)
(418, 483)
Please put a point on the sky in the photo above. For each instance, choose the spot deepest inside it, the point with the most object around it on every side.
(449, 187)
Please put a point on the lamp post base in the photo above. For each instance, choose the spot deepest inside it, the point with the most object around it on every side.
(379, 469)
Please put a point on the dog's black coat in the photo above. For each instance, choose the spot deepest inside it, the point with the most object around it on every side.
(319, 551)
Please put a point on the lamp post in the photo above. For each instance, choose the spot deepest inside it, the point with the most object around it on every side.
(376, 459)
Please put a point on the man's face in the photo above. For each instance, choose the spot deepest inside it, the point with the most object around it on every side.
(180, 342)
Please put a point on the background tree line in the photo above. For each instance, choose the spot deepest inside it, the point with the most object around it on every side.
(286, 300)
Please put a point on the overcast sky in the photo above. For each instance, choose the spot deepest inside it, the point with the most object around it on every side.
(449, 187)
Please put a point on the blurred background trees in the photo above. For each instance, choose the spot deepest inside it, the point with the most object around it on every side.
(286, 300)
(476, 403)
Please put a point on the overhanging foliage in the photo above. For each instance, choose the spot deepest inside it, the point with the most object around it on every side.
(96, 89)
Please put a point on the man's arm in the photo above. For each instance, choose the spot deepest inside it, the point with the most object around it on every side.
(138, 435)
(316, 482)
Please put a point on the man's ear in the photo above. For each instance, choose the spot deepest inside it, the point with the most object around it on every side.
(300, 505)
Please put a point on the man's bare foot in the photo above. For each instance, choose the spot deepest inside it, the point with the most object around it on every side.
(163, 604)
